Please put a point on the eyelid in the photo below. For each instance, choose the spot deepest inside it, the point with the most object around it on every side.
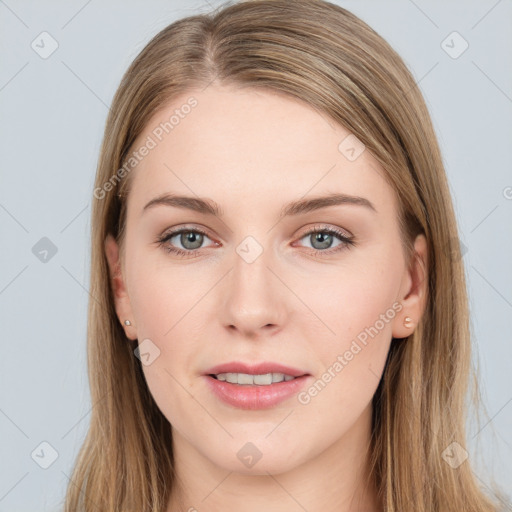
(327, 227)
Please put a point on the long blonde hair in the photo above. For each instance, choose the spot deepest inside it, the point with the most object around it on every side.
(325, 56)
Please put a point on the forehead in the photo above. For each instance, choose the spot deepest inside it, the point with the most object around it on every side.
(252, 146)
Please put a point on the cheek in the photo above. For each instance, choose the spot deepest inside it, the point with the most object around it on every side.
(354, 300)
(357, 308)
(163, 296)
(165, 304)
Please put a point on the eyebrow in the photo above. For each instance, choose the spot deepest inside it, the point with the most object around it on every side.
(299, 207)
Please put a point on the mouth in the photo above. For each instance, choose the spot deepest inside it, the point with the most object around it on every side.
(258, 386)
(247, 379)
(260, 374)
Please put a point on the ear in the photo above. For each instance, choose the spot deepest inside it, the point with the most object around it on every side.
(121, 299)
(414, 290)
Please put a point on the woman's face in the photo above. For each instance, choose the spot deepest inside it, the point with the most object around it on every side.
(254, 285)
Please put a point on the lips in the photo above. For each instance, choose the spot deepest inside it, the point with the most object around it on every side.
(251, 395)
(255, 369)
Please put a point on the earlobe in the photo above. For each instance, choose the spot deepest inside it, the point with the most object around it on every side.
(415, 297)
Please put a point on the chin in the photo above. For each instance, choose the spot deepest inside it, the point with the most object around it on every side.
(257, 457)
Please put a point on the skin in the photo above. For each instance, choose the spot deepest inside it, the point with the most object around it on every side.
(238, 147)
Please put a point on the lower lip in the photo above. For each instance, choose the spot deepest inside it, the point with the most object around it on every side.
(254, 396)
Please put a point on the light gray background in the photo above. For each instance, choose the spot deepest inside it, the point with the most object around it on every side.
(53, 112)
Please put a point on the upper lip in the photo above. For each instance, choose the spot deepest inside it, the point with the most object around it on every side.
(255, 369)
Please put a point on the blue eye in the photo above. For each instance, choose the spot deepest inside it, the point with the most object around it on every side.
(192, 239)
(323, 237)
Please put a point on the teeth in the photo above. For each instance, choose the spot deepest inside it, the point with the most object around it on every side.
(247, 379)
(243, 378)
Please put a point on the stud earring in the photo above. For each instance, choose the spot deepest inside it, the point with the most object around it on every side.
(127, 322)
(408, 321)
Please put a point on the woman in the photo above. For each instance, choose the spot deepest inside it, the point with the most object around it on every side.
(280, 318)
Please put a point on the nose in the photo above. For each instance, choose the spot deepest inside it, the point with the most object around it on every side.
(253, 301)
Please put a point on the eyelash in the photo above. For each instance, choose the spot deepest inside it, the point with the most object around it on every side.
(347, 242)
